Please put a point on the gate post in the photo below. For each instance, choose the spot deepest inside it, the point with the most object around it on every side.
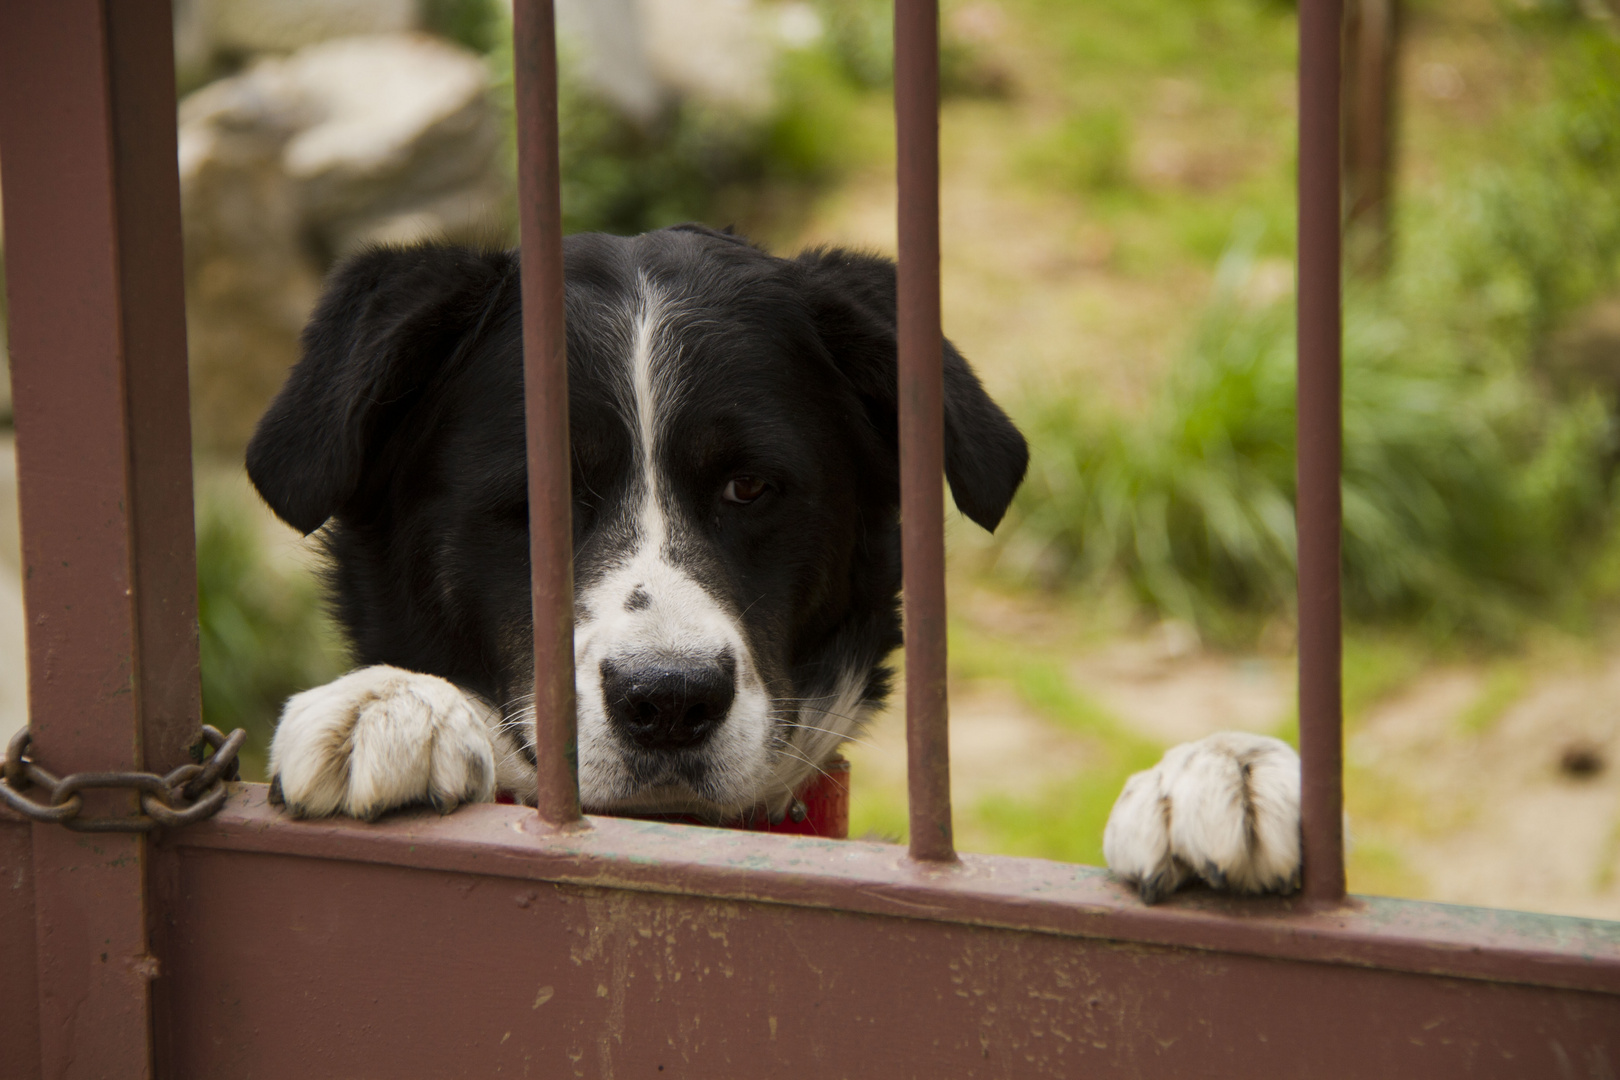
(98, 355)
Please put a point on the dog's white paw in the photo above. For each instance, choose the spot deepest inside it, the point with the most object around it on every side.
(1224, 809)
(380, 738)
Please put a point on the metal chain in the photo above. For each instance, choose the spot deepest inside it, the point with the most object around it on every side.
(188, 793)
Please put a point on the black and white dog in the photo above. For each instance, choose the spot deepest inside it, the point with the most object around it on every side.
(736, 538)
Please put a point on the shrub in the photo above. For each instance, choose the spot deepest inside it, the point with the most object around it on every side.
(1466, 492)
(858, 37)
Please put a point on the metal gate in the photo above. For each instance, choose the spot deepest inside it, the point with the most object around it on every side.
(507, 941)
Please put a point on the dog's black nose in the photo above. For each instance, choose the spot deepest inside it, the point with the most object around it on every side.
(669, 704)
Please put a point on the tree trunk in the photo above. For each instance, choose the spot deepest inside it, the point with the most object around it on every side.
(1371, 57)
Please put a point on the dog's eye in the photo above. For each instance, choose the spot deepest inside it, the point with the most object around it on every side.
(743, 490)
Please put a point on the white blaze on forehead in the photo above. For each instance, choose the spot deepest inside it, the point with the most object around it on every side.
(645, 404)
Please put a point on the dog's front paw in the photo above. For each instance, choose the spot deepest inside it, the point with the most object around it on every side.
(380, 738)
(1224, 808)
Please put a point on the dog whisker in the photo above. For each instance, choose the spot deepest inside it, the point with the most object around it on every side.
(788, 749)
(842, 736)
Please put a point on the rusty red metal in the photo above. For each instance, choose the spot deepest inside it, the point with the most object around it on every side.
(1318, 510)
(98, 355)
(841, 941)
(922, 438)
(19, 991)
(688, 986)
(979, 890)
(545, 360)
(677, 946)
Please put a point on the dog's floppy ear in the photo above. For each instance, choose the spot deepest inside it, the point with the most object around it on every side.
(853, 301)
(387, 322)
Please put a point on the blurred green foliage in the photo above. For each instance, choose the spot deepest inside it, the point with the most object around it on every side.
(858, 36)
(1473, 494)
(263, 633)
(477, 24)
(1134, 85)
(1088, 152)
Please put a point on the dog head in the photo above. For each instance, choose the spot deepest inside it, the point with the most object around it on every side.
(735, 485)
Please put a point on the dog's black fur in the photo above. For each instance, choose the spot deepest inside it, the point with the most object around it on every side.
(402, 431)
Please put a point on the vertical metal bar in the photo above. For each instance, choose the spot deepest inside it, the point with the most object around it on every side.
(92, 215)
(922, 439)
(1318, 510)
(545, 372)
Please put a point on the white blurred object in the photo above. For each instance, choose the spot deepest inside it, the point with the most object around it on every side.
(606, 36)
(712, 50)
(798, 26)
(641, 54)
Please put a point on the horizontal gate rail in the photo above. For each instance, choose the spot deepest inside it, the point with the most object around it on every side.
(487, 941)
(985, 890)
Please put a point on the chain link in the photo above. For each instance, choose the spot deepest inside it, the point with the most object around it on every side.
(188, 793)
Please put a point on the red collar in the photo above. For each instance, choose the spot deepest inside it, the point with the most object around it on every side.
(821, 808)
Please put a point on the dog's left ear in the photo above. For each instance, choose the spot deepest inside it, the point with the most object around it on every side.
(853, 300)
(388, 321)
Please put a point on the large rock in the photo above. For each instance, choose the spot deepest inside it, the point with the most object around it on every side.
(208, 32)
(301, 159)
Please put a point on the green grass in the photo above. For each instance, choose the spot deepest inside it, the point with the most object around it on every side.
(1063, 819)
(877, 813)
(1609, 862)
(1121, 84)
(1505, 685)
(262, 632)
(1379, 869)
(1377, 665)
